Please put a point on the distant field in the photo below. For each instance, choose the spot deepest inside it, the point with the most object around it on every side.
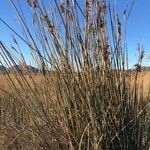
(143, 79)
(5, 79)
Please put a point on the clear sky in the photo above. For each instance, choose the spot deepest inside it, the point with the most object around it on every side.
(138, 29)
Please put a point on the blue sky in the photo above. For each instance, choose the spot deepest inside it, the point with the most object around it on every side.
(9, 16)
(138, 29)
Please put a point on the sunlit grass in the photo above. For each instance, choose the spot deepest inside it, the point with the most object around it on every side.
(83, 97)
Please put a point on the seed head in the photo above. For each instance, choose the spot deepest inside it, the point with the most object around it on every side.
(32, 3)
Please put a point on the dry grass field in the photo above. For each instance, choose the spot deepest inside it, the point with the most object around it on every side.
(143, 80)
(32, 109)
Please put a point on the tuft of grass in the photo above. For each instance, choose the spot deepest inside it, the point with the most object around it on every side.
(84, 97)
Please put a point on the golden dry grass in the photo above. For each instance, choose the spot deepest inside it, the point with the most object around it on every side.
(143, 82)
(143, 79)
(85, 105)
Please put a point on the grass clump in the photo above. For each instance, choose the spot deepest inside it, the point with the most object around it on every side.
(83, 97)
